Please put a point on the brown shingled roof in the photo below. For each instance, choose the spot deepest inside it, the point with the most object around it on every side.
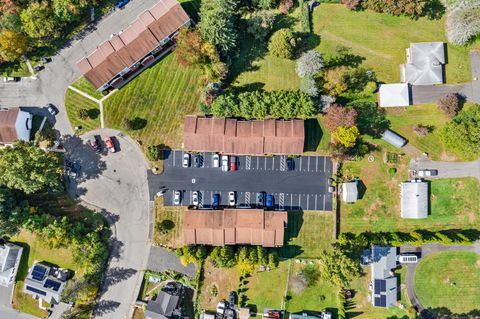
(138, 39)
(234, 227)
(8, 132)
(233, 136)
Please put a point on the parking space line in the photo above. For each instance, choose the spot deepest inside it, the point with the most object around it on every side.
(273, 163)
(308, 201)
(301, 163)
(323, 201)
(324, 163)
(173, 164)
(291, 201)
(308, 164)
(316, 163)
(316, 197)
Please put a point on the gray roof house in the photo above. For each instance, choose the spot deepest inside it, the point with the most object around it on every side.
(425, 63)
(394, 95)
(414, 199)
(167, 304)
(45, 282)
(305, 315)
(350, 192)
(10, 255)
(384, 290)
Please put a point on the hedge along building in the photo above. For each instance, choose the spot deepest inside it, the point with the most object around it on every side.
(128, 53)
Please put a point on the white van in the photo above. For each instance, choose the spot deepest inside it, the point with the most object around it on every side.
(407, 259)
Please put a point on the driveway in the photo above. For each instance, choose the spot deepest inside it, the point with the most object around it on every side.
(116, 184)
(9, 313)
(448, 169)
(162, 259)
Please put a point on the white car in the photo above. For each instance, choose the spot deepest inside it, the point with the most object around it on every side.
(195, 198)
(427, 173)
(231, 198)
(216, 160)
(176, 198)
(221, 307)
(186, 160)
(225, 163)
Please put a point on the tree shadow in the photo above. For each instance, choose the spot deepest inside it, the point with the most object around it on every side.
(308, 41)
(343, 56)
(115, 275)
(362, 189)
(138, 123)
(116, 248)
(255, 86)
(104, 307)
(313, 135)
(93, 113)
(165, 151)
(111, 218)
(294, 224)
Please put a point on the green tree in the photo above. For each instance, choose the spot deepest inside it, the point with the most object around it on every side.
(55, 234)
(12, 213)
(262, 255)
(347, 136)
(282, 44)
(224, 256)
(11, 21)
(69, 10)
(39, 21)
(12, 45)
(273, 259)
(154, 152)
(337, 268)
(260, 24)
(28, 168)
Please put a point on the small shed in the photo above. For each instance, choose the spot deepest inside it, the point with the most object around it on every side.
(393, 138)
(414, 199)
(394, 95)
(350, 192)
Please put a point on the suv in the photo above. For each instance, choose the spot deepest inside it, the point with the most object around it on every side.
(52, 109)
(290, 164)
(198, 160)
(260, 199)
(427, 173)
(269, 201)
(225, 163)
(176, 198)
(233, 163)
(216, 160)
(186, 160)
(215, 200)
(109, 144)
(231, 198)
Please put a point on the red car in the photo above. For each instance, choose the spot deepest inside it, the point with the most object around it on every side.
(109, 144)
(233, 163)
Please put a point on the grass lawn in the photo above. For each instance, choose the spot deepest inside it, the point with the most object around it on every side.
(224, 279)
(362, 308)
(157, 101)
(25, 303)
(454, 202)
(455, 287)
(83, 85)
(308, 234)
(75, 102)
(266, 289)
(317, 297)
(172, 238)
(317, 137)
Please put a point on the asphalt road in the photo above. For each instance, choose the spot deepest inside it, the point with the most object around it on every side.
(448, 169)
(116, 183)
(304, 188)
(161, 259)
(9, 313)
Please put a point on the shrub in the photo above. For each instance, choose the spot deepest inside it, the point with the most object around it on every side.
(335, 80)
(82, 114)
(449, 104)
(462, 134)
(411, 8)
(309, 64)
(421, 130)
(126, 124)
(353, 4)
(338, 115)
(326, 101)
(309, 86)
(305, 17)
(260, 23)
(282, 44)
(285, 6)
(392, 171)
(165, 226)
(463, 21)
(347, 136)
(154, 152)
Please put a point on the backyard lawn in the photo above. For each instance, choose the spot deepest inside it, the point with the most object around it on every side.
(156, 101)
(455, 287)
(308, 234)
(223, 279)
(454, 202)
(171, 238)
(83, 85)
(73, 103)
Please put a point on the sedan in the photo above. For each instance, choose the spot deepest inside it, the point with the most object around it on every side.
(52, 109)
(231, 198)
(233, 163)
(269, 201)
(11, 79)
(215, 160)
(260, 199)
(110, 145)
(195, 198)
(186, 160)
(176, 198)
(198, 161)
(94, 144)
(290, 164)
(121, 4)
(225, 163)
(215, 200)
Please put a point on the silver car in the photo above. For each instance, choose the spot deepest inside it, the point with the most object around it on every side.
(215, 160)
(231, 198)
(195, 198)
(186, 160)
(225, 163)
(176, 198)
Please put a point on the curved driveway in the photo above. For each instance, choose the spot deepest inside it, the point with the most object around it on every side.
(117, 183)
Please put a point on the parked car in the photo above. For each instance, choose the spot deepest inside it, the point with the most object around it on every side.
(95, 145)
(215, 200)
(46, 59)
(75, 170)
(177, 198)
(230, 314)
(233, 163)
(38, 67)
(121, 4)
(221, 307)
(52, 109)
(260, 199)
(290, 164)
(231, 198)
(186, 160)
(216, 160)
(198, 160)
(195, 198)
(231, 298)
(11, 79)
(269, 201)
(224, 163)
(109, 144)
(427, 173)
(331, 189)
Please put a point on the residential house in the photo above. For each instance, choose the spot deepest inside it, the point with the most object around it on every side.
(384, 283)
(45, 282)
(414, 199)
(14, 125)
(304, 315)
(167, 304)
(129, 52)
(10, 255)
(394, 95)
(425, 64)
(350, 191)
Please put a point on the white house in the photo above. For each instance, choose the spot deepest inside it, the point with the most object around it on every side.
(394, 95)
(10, 255)
(14, 125)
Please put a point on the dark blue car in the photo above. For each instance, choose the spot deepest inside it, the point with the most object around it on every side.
(215, 200)
(120, 4)
(269, 201)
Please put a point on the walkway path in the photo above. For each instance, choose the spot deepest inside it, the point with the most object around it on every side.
(427, 250)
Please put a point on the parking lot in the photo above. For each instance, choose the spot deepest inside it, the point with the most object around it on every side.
(304, 186)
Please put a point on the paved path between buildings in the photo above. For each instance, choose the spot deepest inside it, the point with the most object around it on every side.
(427, 250)
(447, 169)
(161, 259)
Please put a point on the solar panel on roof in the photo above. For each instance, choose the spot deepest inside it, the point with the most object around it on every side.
(35, 290)
(383, 301)
(377, 286)
(377, 302)
(38, 272)
(383, 285)
(52, 284)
